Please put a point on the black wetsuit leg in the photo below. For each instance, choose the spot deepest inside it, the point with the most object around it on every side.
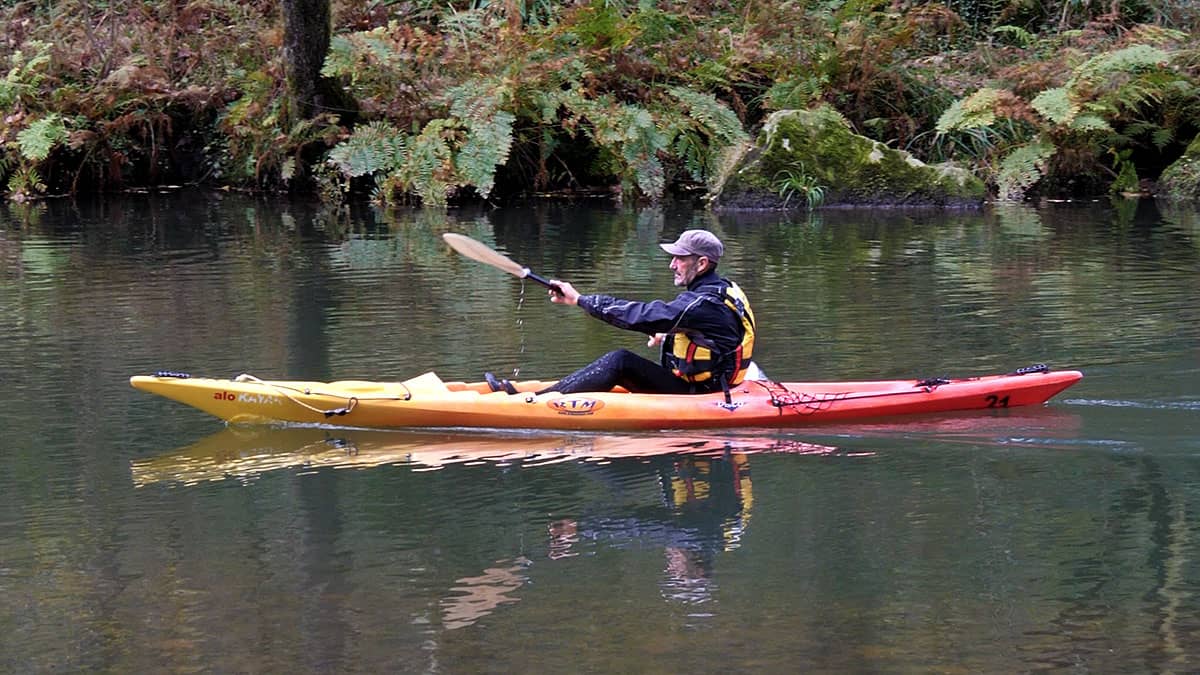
(622, 367)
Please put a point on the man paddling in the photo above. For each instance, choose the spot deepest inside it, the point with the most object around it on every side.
(706, 332)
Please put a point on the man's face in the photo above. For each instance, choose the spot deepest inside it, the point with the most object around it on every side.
(687, 267)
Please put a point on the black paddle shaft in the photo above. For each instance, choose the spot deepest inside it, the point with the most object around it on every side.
(534, 276)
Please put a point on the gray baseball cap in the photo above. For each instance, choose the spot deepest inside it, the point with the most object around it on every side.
(696, 242)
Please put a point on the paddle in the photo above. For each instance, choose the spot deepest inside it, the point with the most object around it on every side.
(483, 253)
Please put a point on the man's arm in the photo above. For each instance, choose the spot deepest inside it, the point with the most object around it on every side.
(658, 316)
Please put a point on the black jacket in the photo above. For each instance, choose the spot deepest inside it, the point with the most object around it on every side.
(698, 311)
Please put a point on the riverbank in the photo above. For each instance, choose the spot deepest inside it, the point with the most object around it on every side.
(452, 103)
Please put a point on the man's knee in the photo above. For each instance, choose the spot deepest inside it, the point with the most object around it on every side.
(623, 357)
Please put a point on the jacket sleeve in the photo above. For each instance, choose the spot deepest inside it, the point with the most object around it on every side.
(657, 316)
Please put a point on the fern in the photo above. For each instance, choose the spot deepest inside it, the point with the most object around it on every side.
(486, 147)
(1161, 137)
(1022, 168)
(1056, 105)
(25, 76)
(1091, 123)
(1020, 36)
(462, 149)
(1127, 178)
(352, 55)
(692, 149)
(25, 184)
(700, 134)
(973, 112)
(429, 164)
(377, 147)
(629, 135)
(38, 139)
(489, 133)
(717, 120)
(1128, 60)
(341, 59)
(793, 93)
(641, 141)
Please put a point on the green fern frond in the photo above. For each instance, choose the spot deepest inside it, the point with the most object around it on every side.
(1128, 60)
(374, 148)
(24, 76)
(1090, 123)
(1022, 168)
(1056, 105)
(486, 147)
(430, 163)
(341, 58)
(1020, 36)
(351, 54)
(650, 176)
(489, 132)
(700, 132)
(796, 93)
(628, 134)
(477, 99)
(1162, 137)
(1127, 178)
(38, 139)
(640, 142)
(717, 120)
(25, 184)
(973, 112)
(692, 149)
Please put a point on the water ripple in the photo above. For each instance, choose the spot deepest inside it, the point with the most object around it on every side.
(1141, 405)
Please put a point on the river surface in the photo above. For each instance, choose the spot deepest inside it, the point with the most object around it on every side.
(137, 535)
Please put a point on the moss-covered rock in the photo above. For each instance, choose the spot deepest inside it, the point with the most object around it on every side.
(817, 155)
(1181, 180)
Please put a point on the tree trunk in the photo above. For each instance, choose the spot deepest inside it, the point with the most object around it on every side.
(306, 31)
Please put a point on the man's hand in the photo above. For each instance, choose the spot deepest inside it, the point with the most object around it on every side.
(656, 339)
(563, 293)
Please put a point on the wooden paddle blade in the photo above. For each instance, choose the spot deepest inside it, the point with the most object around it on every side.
(483, 253)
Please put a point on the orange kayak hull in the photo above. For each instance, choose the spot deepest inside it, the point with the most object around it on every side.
(428, 402)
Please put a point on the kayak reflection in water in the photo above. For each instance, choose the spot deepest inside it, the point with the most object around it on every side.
(706, 333)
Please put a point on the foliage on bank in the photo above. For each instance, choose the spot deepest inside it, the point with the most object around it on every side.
(487, 99)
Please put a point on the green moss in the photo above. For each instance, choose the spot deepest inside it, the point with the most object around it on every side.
(853, 169)
(1181, 180)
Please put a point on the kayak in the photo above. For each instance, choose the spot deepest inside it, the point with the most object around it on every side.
(426, 401)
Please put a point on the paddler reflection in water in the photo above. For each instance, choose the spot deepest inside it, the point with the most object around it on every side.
(706, 507)
(706, 333)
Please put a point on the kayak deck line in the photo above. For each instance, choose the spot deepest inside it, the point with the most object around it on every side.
(428, 401)
(351, 401)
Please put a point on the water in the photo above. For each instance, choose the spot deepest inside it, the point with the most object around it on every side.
(139, 536)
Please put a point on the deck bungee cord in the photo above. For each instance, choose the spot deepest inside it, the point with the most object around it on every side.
(782, 397)
(286, 392)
